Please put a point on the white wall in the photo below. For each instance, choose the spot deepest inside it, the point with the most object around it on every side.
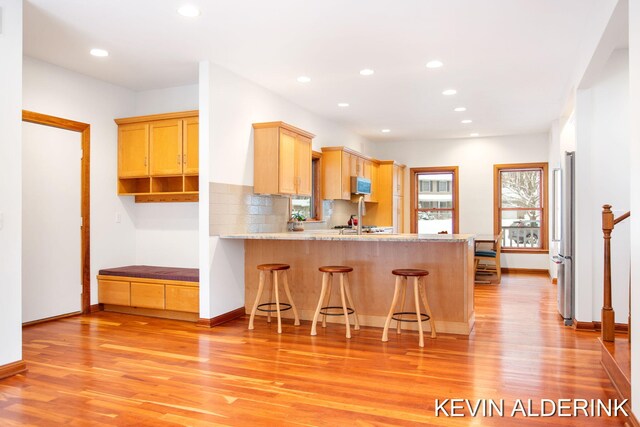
(602, 177)
(55, 91)
(166, 233)
(232, 104)
(10, 185)
(475, 158)
(634, 156)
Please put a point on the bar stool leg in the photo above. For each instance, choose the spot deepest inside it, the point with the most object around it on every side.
(270, 277)
(385, 332)
(347, 288)
(328, 301)
(416, 294)
(255, 304)
(432, 322)
(344, 306)
(275, 286)
(288, 292)
(323, 291)
(403, 297)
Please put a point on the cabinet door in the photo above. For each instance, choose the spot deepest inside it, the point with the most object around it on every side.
(147, 295)
(190, 146)
(165, 147)
(366, 173)
(113, 292)
(398, 214)
(354, 165)
(182, 298)
(346, 176)
(133, 150)
(287, 162)
(303, 165)
(374, 182)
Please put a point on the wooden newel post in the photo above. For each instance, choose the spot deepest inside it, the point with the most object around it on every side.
(608, 315)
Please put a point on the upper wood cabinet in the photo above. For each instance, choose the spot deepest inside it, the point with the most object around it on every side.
(133, 150)
(158, 157)
(389, 211)
(339, 164)
(282, 159)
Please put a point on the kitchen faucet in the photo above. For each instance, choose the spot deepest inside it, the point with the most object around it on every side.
(361, 213)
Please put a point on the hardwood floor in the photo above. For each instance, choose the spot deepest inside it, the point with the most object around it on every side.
(114, 369)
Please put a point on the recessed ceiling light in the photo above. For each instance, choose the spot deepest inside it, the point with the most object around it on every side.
(460, 109)
(434, 64)
(474, 134)
(466, 121)
(343, 104)
(189, 11)
(366, 72)
(386, 130)
(304, 79)
(449, 92)
(99, 52)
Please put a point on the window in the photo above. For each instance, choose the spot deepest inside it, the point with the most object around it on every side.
(310, 206)
(434, 200)
(520, 211)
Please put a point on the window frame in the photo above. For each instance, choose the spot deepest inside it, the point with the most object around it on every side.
(455, 194)
(544, 204)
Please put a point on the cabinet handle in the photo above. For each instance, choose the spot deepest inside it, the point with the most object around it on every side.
(179, 159)
(145, 160)
(184, 159)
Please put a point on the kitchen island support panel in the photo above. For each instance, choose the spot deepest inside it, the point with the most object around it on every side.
(449, 285)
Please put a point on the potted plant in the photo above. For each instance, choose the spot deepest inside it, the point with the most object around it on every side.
(296, 221)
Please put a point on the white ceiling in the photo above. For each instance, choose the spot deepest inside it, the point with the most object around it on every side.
(513, 62)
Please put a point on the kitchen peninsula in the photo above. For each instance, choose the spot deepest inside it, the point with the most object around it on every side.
(448, 258)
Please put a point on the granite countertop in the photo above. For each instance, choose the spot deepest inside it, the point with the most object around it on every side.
(334, 235)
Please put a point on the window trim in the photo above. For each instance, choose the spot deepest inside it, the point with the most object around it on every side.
(316, 195)
(413, 173)
(544, 205)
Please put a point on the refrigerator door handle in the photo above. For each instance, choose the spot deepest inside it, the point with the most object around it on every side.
(558, 259)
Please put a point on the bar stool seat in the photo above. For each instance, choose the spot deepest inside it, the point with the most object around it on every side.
(273, 270)
(419, 294)
(325, 308)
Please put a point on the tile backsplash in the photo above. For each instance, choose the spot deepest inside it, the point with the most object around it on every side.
(236, 209)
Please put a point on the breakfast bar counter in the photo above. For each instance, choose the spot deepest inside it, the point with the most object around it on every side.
(448, 258)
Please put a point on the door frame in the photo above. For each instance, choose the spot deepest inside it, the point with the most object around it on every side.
(85, 236)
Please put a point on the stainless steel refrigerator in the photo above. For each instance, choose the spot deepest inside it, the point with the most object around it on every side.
(565, 258)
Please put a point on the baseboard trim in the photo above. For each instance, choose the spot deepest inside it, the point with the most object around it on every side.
(12, 369)
(94, 308)
(597, 326)
(223, 318)
(507, 270)
(50, 319)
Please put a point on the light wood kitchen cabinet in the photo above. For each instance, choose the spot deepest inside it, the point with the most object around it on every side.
(133, 150)
(339, 164)
(147, 295)
(158, 157)
(282, 159)
(389, 211)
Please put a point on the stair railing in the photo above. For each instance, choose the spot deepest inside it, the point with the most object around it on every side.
(608, 315)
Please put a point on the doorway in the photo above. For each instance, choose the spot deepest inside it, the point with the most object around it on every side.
(56, 220)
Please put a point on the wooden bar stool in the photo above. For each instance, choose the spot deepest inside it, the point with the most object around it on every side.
(419, 293)
(345, 295)
(274, 269)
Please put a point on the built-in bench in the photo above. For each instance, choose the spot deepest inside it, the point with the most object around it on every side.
(150, 291)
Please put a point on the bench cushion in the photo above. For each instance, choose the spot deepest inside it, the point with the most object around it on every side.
(153, 272)
(491, 254)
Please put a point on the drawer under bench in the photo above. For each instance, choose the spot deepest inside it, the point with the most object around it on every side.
(166, 292)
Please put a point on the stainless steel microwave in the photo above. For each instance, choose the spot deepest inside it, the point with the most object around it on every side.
(360, 185)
